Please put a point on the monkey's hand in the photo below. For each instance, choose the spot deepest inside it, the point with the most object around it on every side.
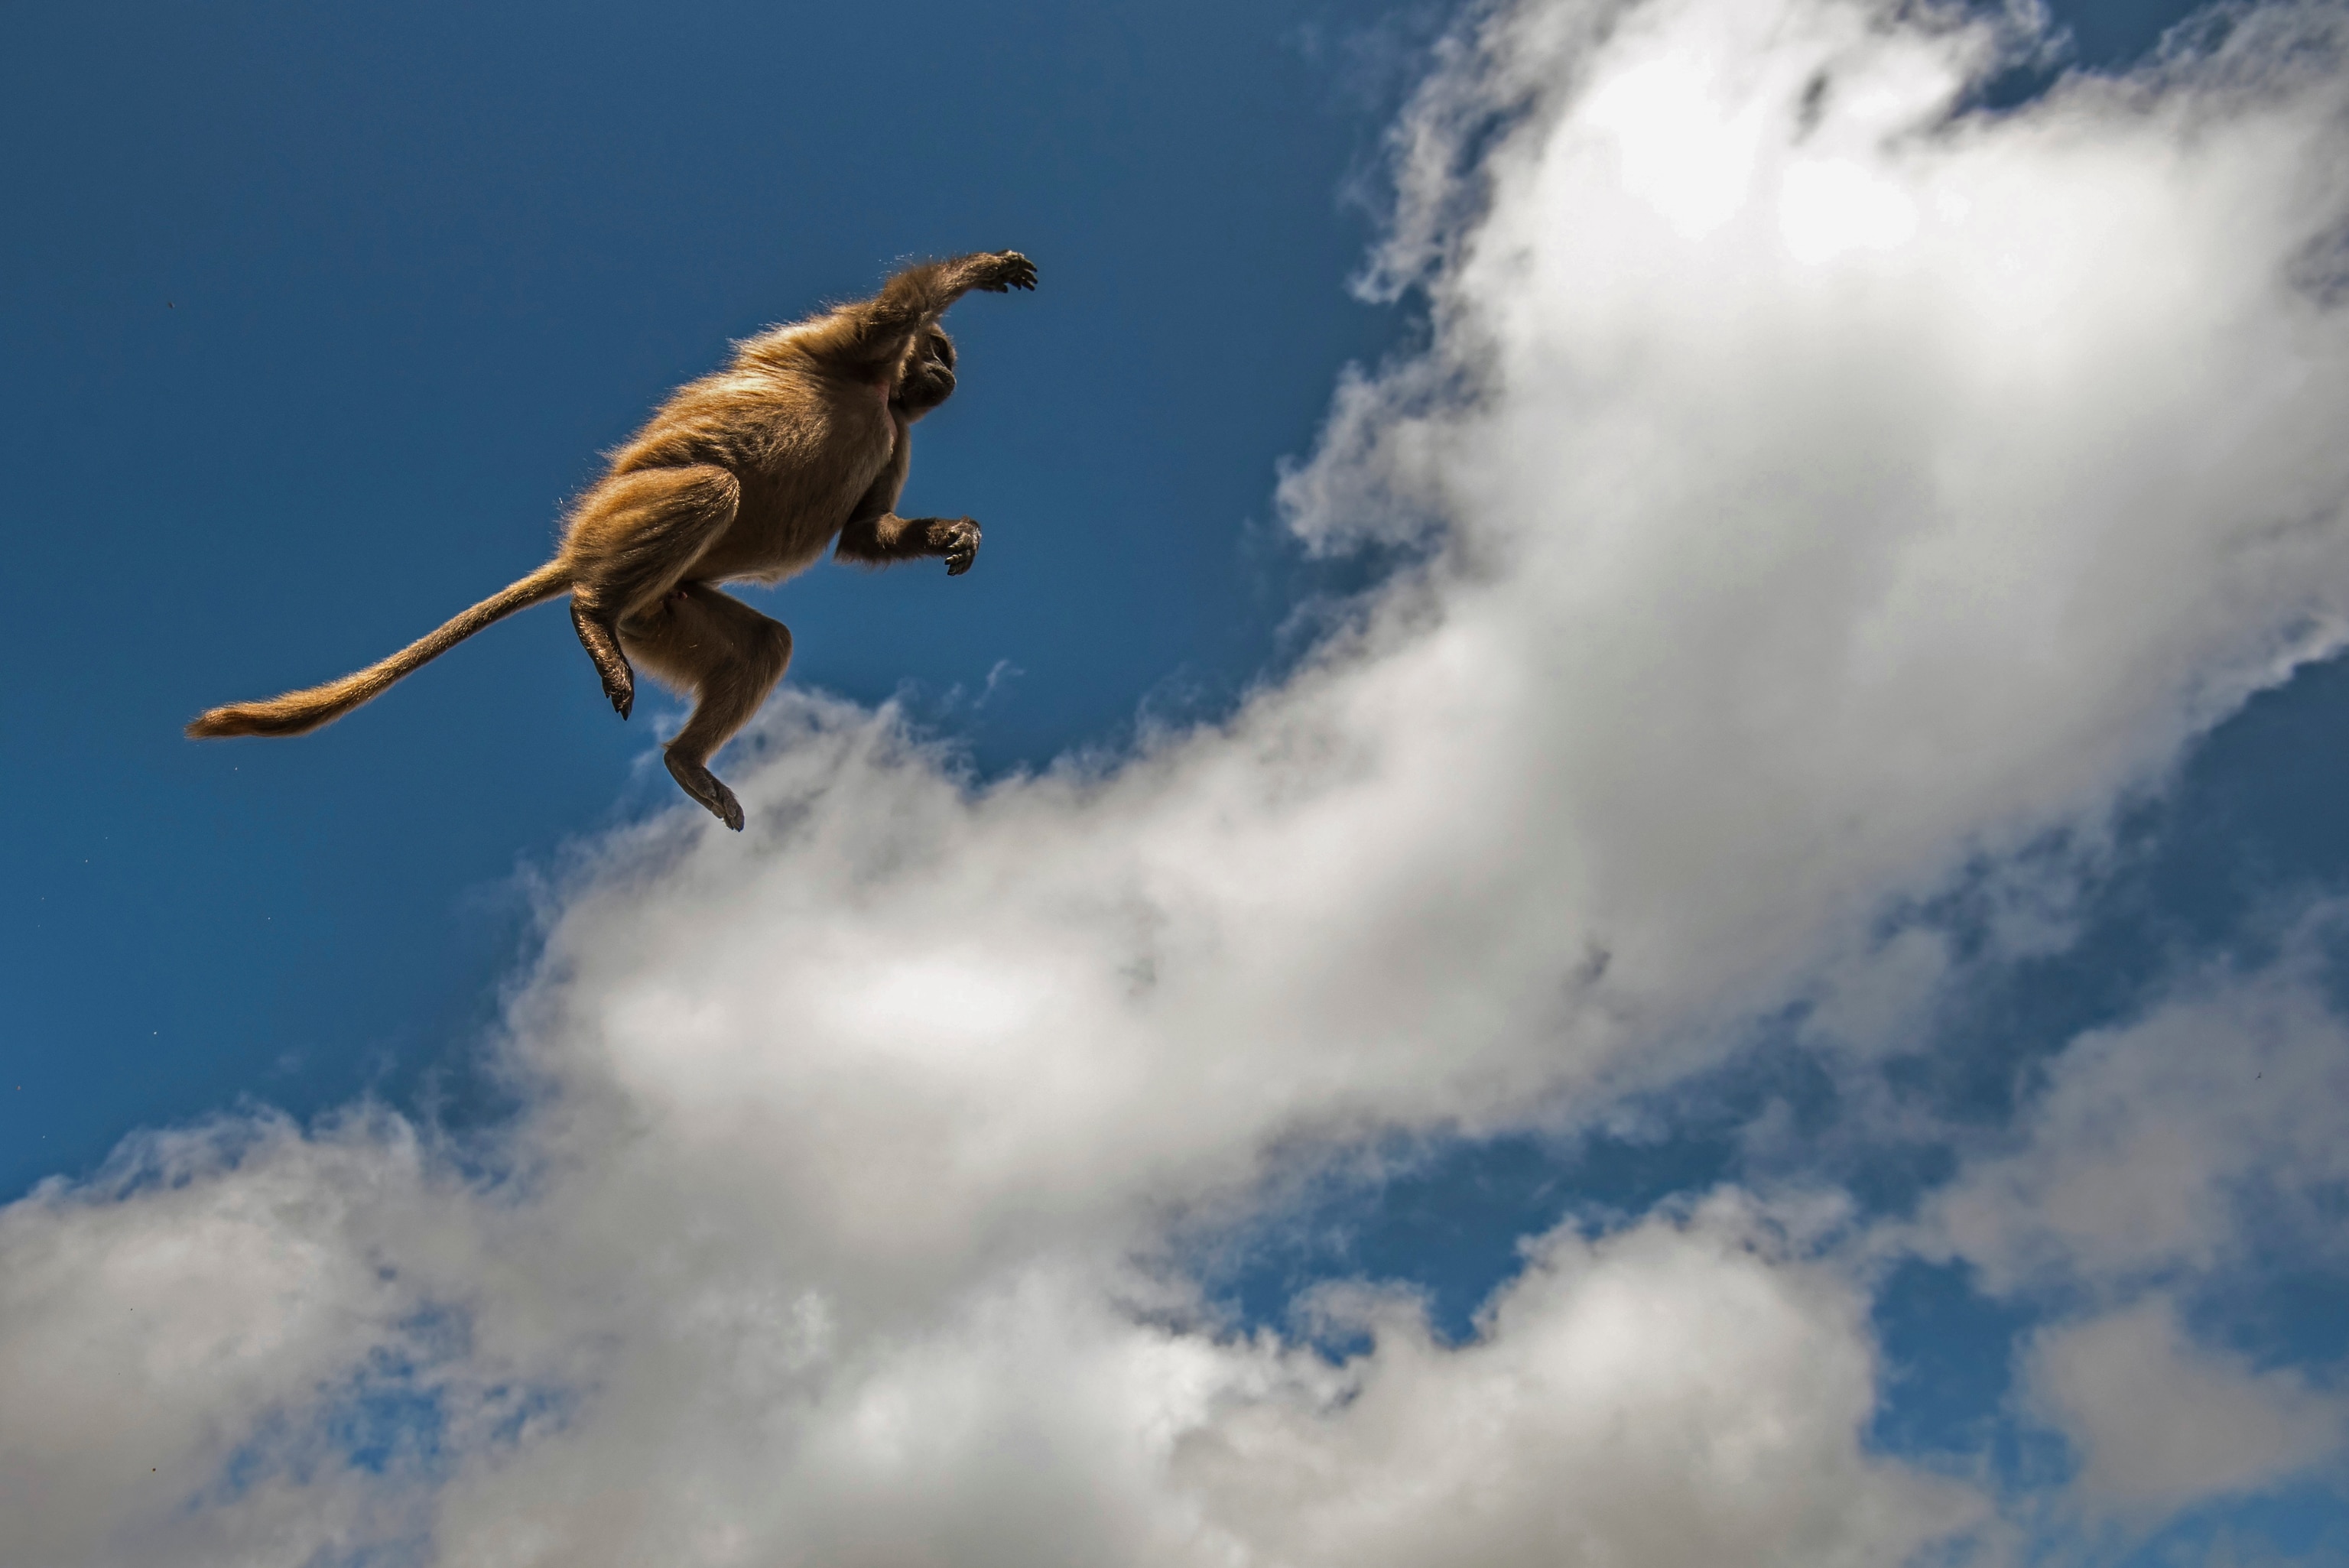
(957, 539)
(999, 272)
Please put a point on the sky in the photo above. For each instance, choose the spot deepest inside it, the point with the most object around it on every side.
(1626, 853)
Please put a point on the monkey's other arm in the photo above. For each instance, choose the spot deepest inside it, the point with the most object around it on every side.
(870, 336)
(887, 539)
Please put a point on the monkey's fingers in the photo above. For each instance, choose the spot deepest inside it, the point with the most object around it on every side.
(1008, 270)
(956, 539)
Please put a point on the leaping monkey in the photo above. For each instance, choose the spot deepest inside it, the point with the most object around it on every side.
(744, 476)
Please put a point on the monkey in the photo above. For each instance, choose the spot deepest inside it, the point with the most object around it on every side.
(746, 475)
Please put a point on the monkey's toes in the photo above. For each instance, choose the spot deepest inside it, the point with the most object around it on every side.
(619, 683)
(706, 786)
(601, 638)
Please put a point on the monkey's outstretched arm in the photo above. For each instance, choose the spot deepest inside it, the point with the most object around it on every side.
(867, 338)
(885, 540)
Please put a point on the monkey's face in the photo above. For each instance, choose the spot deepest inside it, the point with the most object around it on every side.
(928, 378)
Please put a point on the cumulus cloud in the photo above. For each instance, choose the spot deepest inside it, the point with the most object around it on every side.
(2158, 1164)
(1678, 1393)
(1810, 496)
(2169, 1146)
(2160, 1421)
(1855, 489)
(186, 1342)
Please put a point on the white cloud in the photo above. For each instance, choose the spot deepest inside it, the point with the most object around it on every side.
(1824, 572)
(170, 1336)
(2152, 1147)
(1673, 1395)
(2157, 1161)
(1830, 499)
(2161, 1422)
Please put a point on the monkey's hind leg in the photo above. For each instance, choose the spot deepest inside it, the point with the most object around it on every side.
(632, 539)
(730, 657)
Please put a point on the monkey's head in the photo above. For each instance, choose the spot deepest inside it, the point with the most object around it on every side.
(928, 378)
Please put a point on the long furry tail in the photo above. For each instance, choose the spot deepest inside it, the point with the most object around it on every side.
(299, 712)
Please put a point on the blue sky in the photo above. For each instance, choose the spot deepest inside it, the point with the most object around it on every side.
(275, 244)
(1688, 890)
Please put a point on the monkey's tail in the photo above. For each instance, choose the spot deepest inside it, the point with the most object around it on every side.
(299, 712)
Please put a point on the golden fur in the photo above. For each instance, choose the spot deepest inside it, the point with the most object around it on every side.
(743, 476)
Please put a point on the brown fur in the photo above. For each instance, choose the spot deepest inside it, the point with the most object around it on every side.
(743, 476)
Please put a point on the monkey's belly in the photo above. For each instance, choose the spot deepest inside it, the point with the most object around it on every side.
(794, 499)
(773, 541)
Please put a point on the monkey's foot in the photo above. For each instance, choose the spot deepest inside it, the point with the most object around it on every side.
(705, 787)
(611, 665)
(957, 539)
